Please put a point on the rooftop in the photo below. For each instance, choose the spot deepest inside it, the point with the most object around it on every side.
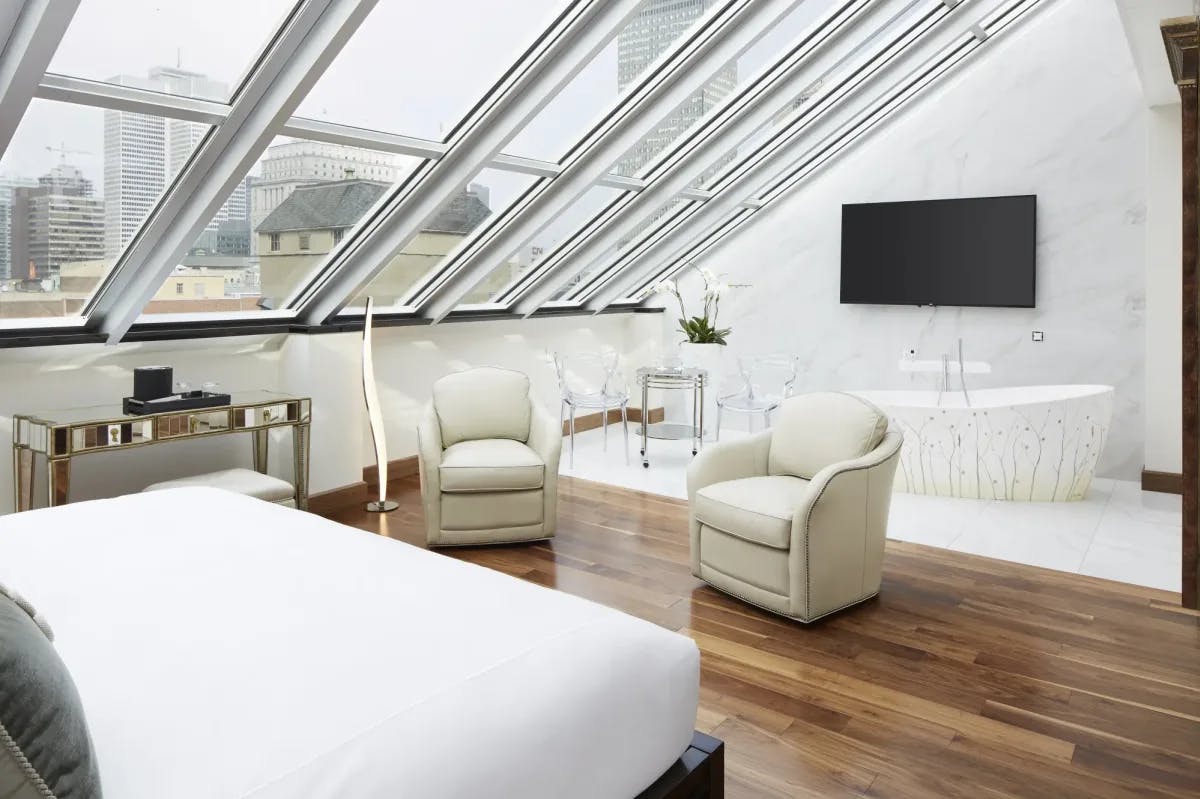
(341, 203)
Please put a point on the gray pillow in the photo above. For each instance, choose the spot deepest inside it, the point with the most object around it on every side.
(45, 749)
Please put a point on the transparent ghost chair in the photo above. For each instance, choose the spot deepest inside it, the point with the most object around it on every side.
(763, 381)
(592, 381)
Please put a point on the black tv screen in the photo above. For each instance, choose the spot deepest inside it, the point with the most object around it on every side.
(978, 252)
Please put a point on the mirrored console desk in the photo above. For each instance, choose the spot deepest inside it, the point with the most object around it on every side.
(57, 437)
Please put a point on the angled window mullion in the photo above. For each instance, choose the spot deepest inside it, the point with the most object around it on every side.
(685, 67)
(116, 97)
(782, 177)
(820, 112)
(318, 130)
(580, 32)
(307, 42)
(673, 173)
(29, 35)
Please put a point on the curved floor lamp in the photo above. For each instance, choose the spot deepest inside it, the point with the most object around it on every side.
(371, 395)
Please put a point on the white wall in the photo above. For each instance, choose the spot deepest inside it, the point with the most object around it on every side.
(1054, 110)
(1164, 265)
(325, 367)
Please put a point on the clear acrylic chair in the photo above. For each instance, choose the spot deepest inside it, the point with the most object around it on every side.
(763, 382)
(592, 381)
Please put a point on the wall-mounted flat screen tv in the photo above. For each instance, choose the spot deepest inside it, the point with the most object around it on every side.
(976, 252)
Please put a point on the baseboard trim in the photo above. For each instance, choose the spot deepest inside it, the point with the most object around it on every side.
(594, 421)
(336, 499)
(400, 467)
(1163, 482)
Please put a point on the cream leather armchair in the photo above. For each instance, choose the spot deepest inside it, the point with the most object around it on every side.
(794, 519)
(488, 457)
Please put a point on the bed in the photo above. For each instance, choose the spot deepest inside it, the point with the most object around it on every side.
(226, 647)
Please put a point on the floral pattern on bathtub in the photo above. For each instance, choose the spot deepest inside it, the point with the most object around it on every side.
(1039, 452)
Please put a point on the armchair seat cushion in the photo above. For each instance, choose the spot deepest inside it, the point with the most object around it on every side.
(755, 509)
(489, 465)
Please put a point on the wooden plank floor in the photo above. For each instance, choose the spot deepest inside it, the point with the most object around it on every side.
(967, 677)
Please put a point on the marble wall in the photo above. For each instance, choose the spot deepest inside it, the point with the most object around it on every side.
(1055, 110)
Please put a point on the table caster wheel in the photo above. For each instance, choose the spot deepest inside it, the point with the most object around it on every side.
(645, 464)
(693, 452)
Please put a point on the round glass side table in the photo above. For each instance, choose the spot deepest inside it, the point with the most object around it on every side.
(667, 378)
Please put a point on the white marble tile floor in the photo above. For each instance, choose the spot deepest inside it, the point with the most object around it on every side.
(1119, 532)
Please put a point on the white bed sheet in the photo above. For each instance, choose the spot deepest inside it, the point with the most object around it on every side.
(227, 647)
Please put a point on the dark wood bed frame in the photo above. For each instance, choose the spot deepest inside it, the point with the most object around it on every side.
(699, 774)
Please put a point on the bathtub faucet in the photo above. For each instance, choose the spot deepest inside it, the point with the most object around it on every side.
(944, 383)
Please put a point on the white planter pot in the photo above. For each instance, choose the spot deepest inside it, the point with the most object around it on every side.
(711, 358)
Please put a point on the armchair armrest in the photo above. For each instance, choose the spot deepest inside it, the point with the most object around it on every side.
(716, 463)
(729, 460)
(839, 529)
(429, 459)
(545, 438)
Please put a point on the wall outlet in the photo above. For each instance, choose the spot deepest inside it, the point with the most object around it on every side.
(1038, 336)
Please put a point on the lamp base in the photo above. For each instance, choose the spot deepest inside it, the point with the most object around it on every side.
(382, 507)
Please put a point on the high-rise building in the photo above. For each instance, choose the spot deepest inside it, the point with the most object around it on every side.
(644, 39)
(143, 154)
(298, 163)
(7, 184)
(58, 221)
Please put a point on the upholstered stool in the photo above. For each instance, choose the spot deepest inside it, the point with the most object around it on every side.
(240, 481)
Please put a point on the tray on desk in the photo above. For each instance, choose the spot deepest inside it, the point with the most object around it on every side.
(190, 400)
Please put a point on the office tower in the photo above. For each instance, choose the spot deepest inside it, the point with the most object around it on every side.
(144, 153)
(655, 28)
(58, 221)
(7, 185)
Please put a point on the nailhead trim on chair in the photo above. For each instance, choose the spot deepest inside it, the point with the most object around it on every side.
(808, 516)
(30, 772)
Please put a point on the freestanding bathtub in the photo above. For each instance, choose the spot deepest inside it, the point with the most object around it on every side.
(1039, 443)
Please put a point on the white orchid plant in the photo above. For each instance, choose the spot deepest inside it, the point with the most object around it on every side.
(701, 329)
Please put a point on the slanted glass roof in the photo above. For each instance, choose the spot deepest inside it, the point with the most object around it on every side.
(170, 167)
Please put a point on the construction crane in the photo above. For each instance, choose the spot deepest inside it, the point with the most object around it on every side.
(63, 152)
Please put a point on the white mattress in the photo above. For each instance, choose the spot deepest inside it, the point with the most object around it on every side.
(227, 647)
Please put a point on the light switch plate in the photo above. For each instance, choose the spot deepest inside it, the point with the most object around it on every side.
(1038, 335)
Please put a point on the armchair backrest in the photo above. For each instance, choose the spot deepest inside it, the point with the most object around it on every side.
(485, 402)
(812, 431)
